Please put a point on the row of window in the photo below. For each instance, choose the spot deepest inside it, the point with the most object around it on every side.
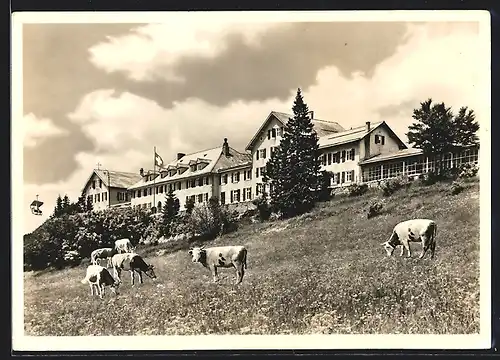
(120, 196)
(94, 182)
(195, 167)
(418, 165)
(337, 157)
(274, 133)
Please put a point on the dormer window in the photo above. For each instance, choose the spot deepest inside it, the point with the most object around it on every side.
(379, 139)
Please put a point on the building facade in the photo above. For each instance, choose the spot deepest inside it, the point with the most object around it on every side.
(107, 188)
(363, 154)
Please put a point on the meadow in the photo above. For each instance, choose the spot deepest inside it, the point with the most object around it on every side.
(323, 272)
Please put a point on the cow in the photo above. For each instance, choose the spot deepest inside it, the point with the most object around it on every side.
(103, 253)
(415, 230)
(133, 263)
(221, 256)
(99, 277)
(123, 246)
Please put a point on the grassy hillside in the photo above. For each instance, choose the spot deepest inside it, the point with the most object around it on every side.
(324, 272)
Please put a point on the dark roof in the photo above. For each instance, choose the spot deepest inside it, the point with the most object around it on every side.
(322, 127)
(236, 159)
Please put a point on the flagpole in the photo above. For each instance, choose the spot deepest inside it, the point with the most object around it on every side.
(154, 180)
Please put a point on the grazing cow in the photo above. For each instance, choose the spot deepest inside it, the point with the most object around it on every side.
(134, 263)
(415, 230)
(103, 253)
(99, 277)
(123, 246)
(222, 256)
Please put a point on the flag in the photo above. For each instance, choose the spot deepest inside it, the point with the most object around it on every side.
(158, 160)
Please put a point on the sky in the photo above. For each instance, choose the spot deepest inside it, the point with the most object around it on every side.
(108, 93)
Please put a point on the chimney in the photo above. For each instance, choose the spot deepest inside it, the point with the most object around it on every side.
(180, 156)
(311, 114)
(367, 126)
(225, 147)
(141, 171)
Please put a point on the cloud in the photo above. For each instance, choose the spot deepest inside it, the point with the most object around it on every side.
(149, 49)
(37, 130)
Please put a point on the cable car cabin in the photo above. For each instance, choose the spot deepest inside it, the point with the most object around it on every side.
(35, 207)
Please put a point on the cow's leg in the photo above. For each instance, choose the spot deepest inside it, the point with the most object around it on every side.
(132, 276)
(239, 273)
(103, 289)
(406, 244)
(433, 248)
(402, 250)
(91, 289)
(140, 277)
(425, 246)
(214, 273)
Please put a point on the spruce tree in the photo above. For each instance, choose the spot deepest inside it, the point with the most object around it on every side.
(58, 210)
(81, 205)
(169, 212)
(89, 207)
(66, 204)
(293, 171)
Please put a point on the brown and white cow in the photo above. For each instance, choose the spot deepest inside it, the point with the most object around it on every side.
(133, 263)
(123, 246)
(221, 256)
(99, 277)
(102, 253)
(415, 230)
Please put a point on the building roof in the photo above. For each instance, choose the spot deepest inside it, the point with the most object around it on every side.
(117, 179)
(217, 162)
(322, 127)
(355, 134)
(395, 155)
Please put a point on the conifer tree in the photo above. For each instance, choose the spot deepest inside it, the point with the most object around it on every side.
(58, 210)
(65, 204)
(169, 212)
(293, 171)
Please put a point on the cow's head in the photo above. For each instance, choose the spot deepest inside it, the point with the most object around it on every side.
(198, 254)
(389, 248)
(150, 272)
(114, 287)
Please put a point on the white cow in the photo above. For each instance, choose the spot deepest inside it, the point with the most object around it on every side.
(123, 246)
(415, 230)
(133, 263)
(221, 256)
(99, 277)
(103, 253)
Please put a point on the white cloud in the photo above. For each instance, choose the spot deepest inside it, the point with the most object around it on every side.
(158, 46)
(38, 129)
(126, 127)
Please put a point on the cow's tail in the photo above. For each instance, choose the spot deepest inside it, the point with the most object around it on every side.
(434, 233)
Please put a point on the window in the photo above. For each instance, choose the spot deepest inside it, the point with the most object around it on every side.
(150, 191)
(349, 175)
(379, 139)
(105, 196)
(343, 155)
(235, 195)
(145, 192)
(273, 132)
(200, 198)
(322, 158)
(100, 183)
(343, 177)
(249, 193)
(257, 153)
(163, 174)
(247, 175)
(98, 197)
(268, 134)
(257, 172)
(118, 196)
(139, 193)
(351, 154)
(179, 185)
(258, 189)
(329, 157)
(205, 180)
(93, 184)
(262, 153)
(159, 205)
(200, 181)
(206, 197)
(224, 179)
(235, 177)
(222, 198)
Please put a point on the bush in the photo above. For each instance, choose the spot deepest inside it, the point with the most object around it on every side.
(324, 191)
(207, 221)
(390, 186)
(374, 209)
(357, 190)
(263, 208)
(429, 179)
(456, 188)
(468, 171)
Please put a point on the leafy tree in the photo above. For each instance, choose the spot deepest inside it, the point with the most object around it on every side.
(189, 205)
(169, 212)
(293, 171)
(89, 206)
(437, 131)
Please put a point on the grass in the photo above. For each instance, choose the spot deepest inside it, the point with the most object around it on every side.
(322, 272)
